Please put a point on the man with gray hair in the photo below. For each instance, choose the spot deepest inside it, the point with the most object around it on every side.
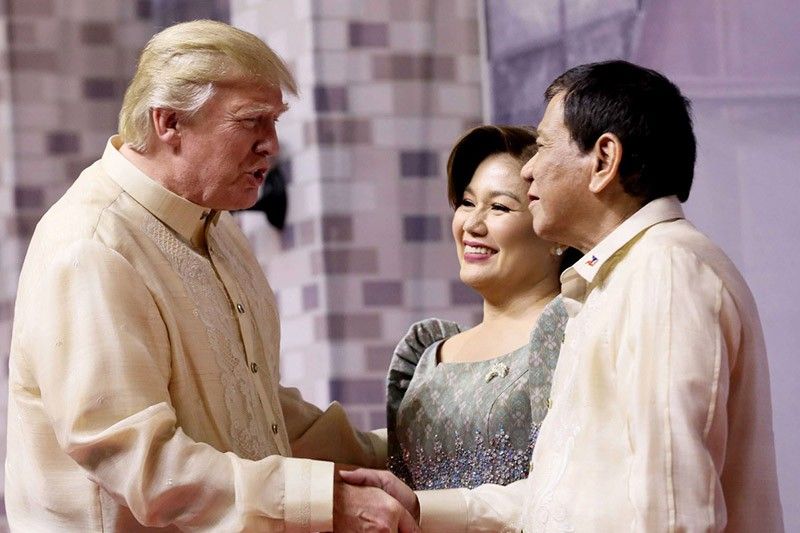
(144, 375)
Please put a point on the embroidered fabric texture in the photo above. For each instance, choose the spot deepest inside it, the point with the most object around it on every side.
(542, 511)
(213, 307)
(450, 427)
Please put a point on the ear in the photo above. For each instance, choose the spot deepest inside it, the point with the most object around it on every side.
(166, 125)
(607, 153)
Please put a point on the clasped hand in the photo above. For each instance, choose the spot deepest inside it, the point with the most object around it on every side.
(374, 501)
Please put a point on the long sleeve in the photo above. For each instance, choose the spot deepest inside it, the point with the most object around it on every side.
(98, 350)
(673, 369)
(484, 509)
(328, 435)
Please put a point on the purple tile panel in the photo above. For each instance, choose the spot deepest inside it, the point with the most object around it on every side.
(33, 60)
(27, 8)
(63, 142)
(6, 310)
(96, 33)
(26, 223)
(305, 232)
(338, 326)
(377, 418)
(332, 98)
(27, 197)
(377, 293)
(75, 167)
(368, 34)
(338, 131)
(21, 33)
(421, 163)
(288, 240)
(422, 228)
(411, 9)
(144, 9)
(358, 391)
(310, 297)
(100, 89)
(378, 357)
(413, 67)
(460, 294)
(337, 228)
(286, 169)
(352, 261)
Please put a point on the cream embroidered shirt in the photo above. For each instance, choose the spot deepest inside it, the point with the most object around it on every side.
(661, 417)
(144, 375)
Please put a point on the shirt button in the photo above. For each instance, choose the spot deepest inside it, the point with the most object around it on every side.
(240, 308)
(275, 428)
(253, 367)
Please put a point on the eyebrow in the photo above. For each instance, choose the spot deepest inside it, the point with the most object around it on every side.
(496, 193)
(262, 108)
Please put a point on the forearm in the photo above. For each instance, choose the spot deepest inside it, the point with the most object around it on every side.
(488, 508)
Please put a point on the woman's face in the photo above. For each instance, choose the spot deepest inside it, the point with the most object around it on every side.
(493, 231)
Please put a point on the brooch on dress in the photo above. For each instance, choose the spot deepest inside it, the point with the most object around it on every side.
(498, 370)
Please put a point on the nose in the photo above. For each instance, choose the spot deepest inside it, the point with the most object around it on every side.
(267, 144)
(474, 224)
(526, 173)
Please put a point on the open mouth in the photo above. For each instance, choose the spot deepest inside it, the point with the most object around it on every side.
(477, 252)
(259, 175)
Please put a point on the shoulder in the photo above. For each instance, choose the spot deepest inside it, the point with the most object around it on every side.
(421, 335)
(679, 246)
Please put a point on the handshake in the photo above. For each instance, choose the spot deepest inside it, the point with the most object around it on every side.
(373, 500)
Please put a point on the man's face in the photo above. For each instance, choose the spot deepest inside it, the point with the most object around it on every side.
(559, 179)
(227, 148)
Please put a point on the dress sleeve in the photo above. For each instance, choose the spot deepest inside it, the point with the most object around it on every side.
(99, 351)
(544, 348)
(401, 369)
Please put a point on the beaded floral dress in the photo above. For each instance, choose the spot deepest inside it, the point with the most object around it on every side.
(466, 424)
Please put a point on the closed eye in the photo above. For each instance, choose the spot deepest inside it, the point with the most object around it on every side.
(501, 207)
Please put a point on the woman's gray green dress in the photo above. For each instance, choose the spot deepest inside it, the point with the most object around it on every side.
(466, 424)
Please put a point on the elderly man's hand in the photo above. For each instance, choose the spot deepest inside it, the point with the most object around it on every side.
(369, 509)
(389, 483)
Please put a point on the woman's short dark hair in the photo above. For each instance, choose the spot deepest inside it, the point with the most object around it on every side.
(478, 144)
(645, 110)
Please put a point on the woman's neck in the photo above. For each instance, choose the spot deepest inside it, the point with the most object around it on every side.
(520, 307)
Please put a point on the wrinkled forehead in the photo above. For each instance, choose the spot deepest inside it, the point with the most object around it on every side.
(252, 95)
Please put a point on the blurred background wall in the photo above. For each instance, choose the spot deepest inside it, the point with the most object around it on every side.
(386, 88)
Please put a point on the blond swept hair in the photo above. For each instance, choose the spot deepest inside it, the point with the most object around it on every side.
(179, 67)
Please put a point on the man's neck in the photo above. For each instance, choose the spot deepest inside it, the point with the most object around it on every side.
(151, 164)
(608, 217)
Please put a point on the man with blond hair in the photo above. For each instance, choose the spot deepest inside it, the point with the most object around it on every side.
(144, 375)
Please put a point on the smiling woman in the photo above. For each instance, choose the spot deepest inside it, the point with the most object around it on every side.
(465, 406)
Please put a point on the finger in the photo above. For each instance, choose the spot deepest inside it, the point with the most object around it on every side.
(407, 524)
(362, 477)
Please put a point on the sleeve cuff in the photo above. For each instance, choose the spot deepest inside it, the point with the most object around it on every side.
(379, 439)
(443, 511)
(308, 500)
